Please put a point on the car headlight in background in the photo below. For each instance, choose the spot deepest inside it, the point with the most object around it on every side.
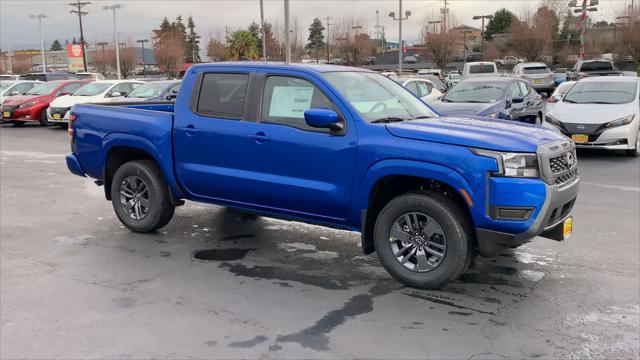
(553, 121)
(26, 105)
(620, 122)
(523, 165)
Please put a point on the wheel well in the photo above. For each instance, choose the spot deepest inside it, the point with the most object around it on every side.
(390, 187)
(118, 156)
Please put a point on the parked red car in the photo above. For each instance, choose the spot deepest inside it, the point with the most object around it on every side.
(32, 106)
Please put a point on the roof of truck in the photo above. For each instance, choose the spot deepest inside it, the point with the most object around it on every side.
(321, 68)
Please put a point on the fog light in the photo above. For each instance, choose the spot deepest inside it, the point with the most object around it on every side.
(512, 213)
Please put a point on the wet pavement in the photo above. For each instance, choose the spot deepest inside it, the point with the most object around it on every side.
(216, 283)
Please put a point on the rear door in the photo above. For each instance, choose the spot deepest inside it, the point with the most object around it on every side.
(210, 138)
(293, 167)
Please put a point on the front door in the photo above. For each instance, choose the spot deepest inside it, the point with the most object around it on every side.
(295, 168)
(210, 139)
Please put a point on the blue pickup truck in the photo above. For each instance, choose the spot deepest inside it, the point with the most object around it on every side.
(335, 146)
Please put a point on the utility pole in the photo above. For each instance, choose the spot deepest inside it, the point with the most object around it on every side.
(144, 68)
(400, 43)
(115, 34)
(445, 14)
(264, 36)
(287, 36)
(382, 39)
(434, 23)
(44, 60)
(102, 45)
(476, 17)
(583, 23)
(328, 18)
(78, 5)
(10, 65)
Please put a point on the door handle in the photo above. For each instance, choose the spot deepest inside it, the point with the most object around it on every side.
(259, 137)
(190, 130)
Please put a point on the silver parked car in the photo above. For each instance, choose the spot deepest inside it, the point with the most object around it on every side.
(601, 113)
(538, 74)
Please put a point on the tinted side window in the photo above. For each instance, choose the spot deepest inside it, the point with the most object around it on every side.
(515, 90)
(286, 99)
(423, 88)
(413, 87)
(223, 95)
(124, 89)
(524, 88)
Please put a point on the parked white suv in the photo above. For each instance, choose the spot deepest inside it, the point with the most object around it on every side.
(601, 113)
(104, 91)
(479, 69)
(538, 74)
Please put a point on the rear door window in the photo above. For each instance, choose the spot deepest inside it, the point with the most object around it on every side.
(223, 95)
(424, 88)
(413, 87)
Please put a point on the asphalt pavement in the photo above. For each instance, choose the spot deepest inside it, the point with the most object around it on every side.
(214, 283)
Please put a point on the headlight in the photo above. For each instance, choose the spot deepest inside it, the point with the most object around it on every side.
(26, 105)
(553, 121)
(524, 165)
(620, 122)
(494, 115)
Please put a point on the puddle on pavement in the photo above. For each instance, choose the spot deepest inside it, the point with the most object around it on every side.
(221, 254)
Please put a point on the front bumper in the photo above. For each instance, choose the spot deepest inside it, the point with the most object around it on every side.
(617, 138)
(21, 114)
(58, 115)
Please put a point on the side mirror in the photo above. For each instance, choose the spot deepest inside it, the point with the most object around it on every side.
(517, 100)
(323, 119)
(171, 96)
(115, 94)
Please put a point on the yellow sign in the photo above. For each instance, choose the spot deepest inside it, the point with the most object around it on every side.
(26, 52)
(567, 228)
(580, 138)
(6, 114)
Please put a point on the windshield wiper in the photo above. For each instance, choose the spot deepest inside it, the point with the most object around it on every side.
(421, 117)
(388, 119)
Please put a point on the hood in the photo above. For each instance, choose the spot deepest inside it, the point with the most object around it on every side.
(466, 109)
(19, 99)
(590, 113)
(476, 132)
(70, 100)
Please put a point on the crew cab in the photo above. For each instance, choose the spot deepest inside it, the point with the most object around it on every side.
(335, 146)
(33, 105)
(589, 68)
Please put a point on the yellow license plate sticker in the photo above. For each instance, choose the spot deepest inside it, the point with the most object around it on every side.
(6, 114)
(567, 228)
(56, 116)
(580, 138)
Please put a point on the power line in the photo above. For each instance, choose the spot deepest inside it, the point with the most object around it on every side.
(78, 10)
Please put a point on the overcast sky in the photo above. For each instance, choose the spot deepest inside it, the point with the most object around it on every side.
(139, 17)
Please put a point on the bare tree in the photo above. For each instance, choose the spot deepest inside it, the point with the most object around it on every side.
(559, 7)
(532, 40)
(128, 61)
(21, 64)
(216, 48)
(103, 61)
(169, 50)
(441, 48)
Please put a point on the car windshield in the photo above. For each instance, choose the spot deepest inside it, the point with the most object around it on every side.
(376, 97)
(148, 90)
(600, 92)
(42, 89)
(91, 89)
(536, 70)
(5, 85)
(563, 88)
(476, 92)
(481, 69)
(596, 65)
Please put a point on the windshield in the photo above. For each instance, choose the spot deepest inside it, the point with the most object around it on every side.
(596, 65)
(43, 89)
(536, 70)
(377, 97)
(148, 90)
(91, 89)
(602, 92)
(481, 69)
(476, 92)
(5, 85)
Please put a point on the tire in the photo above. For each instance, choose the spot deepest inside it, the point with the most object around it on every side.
(159, 209)
(43, 118)
(454, 226)
(635, 152)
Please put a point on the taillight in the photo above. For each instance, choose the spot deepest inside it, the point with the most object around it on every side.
(72, 118)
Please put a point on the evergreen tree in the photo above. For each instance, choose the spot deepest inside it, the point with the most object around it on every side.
(182, 29)
(56, 46)
(271, 42)
(193, 42)
(254, 29)
(165, 25)
(315, 42)
(500, 23)
(243, 44)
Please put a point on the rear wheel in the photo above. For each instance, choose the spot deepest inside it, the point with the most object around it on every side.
(140, 196)
(423, 240)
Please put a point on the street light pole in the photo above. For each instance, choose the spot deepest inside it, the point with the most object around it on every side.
(399, 19)
(482, 29)
(264, 40)
(115, 34)
(144, 68)
(287, 36)
(583, 17)
(44, 60)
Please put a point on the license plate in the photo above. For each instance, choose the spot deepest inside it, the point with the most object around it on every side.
(537, 81)
(567, 228)
(6, 114)
(56, 116)
(580, 138)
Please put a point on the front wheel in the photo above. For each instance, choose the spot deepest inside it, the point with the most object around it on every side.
(423, 240)
(140, 196)
(43, 118)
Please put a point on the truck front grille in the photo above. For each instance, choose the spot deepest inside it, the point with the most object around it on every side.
(559, 163)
